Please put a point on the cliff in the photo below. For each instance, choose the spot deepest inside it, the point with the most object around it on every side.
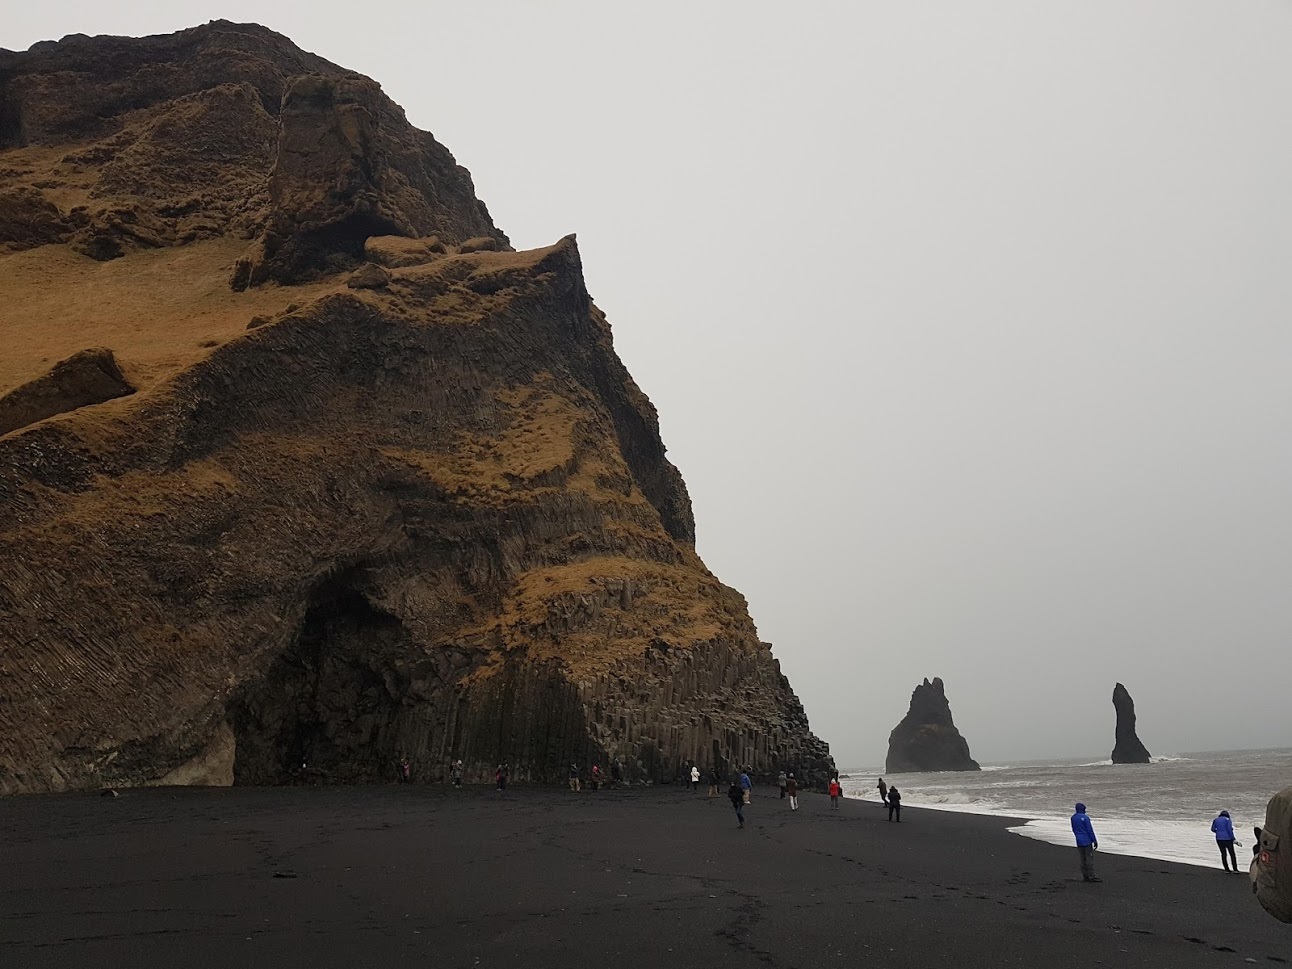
(927, 738)
(300, 463)
(1127, 749)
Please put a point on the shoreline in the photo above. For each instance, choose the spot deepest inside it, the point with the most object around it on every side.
(542, 876)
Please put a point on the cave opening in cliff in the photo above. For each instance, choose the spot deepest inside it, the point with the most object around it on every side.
(323, 712)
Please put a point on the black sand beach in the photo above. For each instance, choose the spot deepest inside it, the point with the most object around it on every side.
(537, 878)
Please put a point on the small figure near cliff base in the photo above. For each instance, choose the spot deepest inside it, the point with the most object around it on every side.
(737, 797)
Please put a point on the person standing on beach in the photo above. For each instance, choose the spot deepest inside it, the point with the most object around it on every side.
(781, 782)
(737, 797)
(792, 789)
(1223, 829)
(883, 790)
(1086, 843)
(746, 785)
(501, 777)
(595, 777)
(455, 772)
(574, 777)
(836, 789)
(713, 782)
(695, 777)
(895, 804)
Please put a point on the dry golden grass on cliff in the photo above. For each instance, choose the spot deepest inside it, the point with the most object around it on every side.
(160, 310)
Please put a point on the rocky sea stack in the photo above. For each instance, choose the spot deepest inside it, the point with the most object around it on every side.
(1128, 749)
(303, 469)
(927, 738)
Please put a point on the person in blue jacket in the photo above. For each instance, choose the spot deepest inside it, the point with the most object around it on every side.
(1086, 843)
(746, 785)
(1223, 828)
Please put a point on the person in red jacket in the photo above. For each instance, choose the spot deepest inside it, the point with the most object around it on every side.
(835, 791)
(792, 792)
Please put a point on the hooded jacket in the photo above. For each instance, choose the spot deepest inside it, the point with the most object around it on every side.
(1083, 829)
(745, 783)
(1223, 827)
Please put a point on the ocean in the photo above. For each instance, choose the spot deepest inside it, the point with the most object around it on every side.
(1161, 810)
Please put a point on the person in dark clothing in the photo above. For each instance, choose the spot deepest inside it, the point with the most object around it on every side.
(616, 773)
(883, 790)
(713, 782)
(1256, 846)
(895, 804)
(1223, 829)
(1086, 843)
(737, 798)
(405, 771)
(502, 777)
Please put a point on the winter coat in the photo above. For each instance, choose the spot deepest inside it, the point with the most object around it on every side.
(745, 783)
(1082, 828)
(1224, 828)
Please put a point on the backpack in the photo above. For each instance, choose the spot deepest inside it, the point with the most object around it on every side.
(1272, 870)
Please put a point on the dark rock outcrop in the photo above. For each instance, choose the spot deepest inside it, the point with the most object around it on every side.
(1128, 749)
(431, 518)
(927, 738)
(88, 377)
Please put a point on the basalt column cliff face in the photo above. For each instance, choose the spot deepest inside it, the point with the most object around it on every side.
(1127, 749)
(927, 738)
(301, 464)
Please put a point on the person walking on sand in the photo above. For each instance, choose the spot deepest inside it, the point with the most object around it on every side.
(895, 804)
(792, 789)
(501, 777)
(455, 772)
(405, 770)
(1223, 829)
(883, 790)
(737, 797)
(713, 782)
(836, 790)
(746, 785)
(781, 782)
(595, 777)
(695, 777)
(574, 777)
(1086, 843)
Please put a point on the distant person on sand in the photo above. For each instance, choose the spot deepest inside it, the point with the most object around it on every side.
(713, 782)
(405, 770)
(746, 785)
(1223, 829)
(836, 789)
(781, 782)
(616, 773)
(792, 789)
(695, 777)
(895, 804)
(1086, 843)
(574, 777)
(455, 773)
(737, 796)
(883, 790)
(595, 777)
(501, 777)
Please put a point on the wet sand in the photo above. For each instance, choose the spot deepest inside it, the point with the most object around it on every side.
(433, 877)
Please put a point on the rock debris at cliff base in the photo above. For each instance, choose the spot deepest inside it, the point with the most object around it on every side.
(344, 478)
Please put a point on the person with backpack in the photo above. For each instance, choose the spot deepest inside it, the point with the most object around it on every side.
(736, 794)
(1223, 829)
(895, 804)
(836, 790)
(792, 789)
(1086, 843)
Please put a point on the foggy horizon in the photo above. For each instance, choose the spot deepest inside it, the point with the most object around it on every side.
(966, 327)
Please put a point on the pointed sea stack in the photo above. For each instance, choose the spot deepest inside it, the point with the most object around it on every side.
(927, 739)
(303, 469)
(1128, 749)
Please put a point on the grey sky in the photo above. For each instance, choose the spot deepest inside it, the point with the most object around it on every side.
(966, 322)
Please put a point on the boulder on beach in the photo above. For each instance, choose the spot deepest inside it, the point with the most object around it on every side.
(927, 738)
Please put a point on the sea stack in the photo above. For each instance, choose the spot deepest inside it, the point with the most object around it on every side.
(303, 469)
(927, 738)
(1128, 749)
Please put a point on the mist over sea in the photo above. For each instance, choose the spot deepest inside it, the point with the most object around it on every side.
(1161, 810)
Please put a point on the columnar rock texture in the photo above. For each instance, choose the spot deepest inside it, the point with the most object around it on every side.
(304, 469)
(927, 738)
(1127, 749)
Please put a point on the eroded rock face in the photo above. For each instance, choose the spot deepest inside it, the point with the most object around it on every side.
(432, 518)
(1127, 749)
(927, 739)
(89, 377)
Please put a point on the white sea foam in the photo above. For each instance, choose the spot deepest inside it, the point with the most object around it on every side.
(1179, 841)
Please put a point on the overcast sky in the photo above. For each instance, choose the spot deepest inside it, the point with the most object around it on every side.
(967, 322)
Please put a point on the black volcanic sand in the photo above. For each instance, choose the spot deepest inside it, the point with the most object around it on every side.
(434, 877)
